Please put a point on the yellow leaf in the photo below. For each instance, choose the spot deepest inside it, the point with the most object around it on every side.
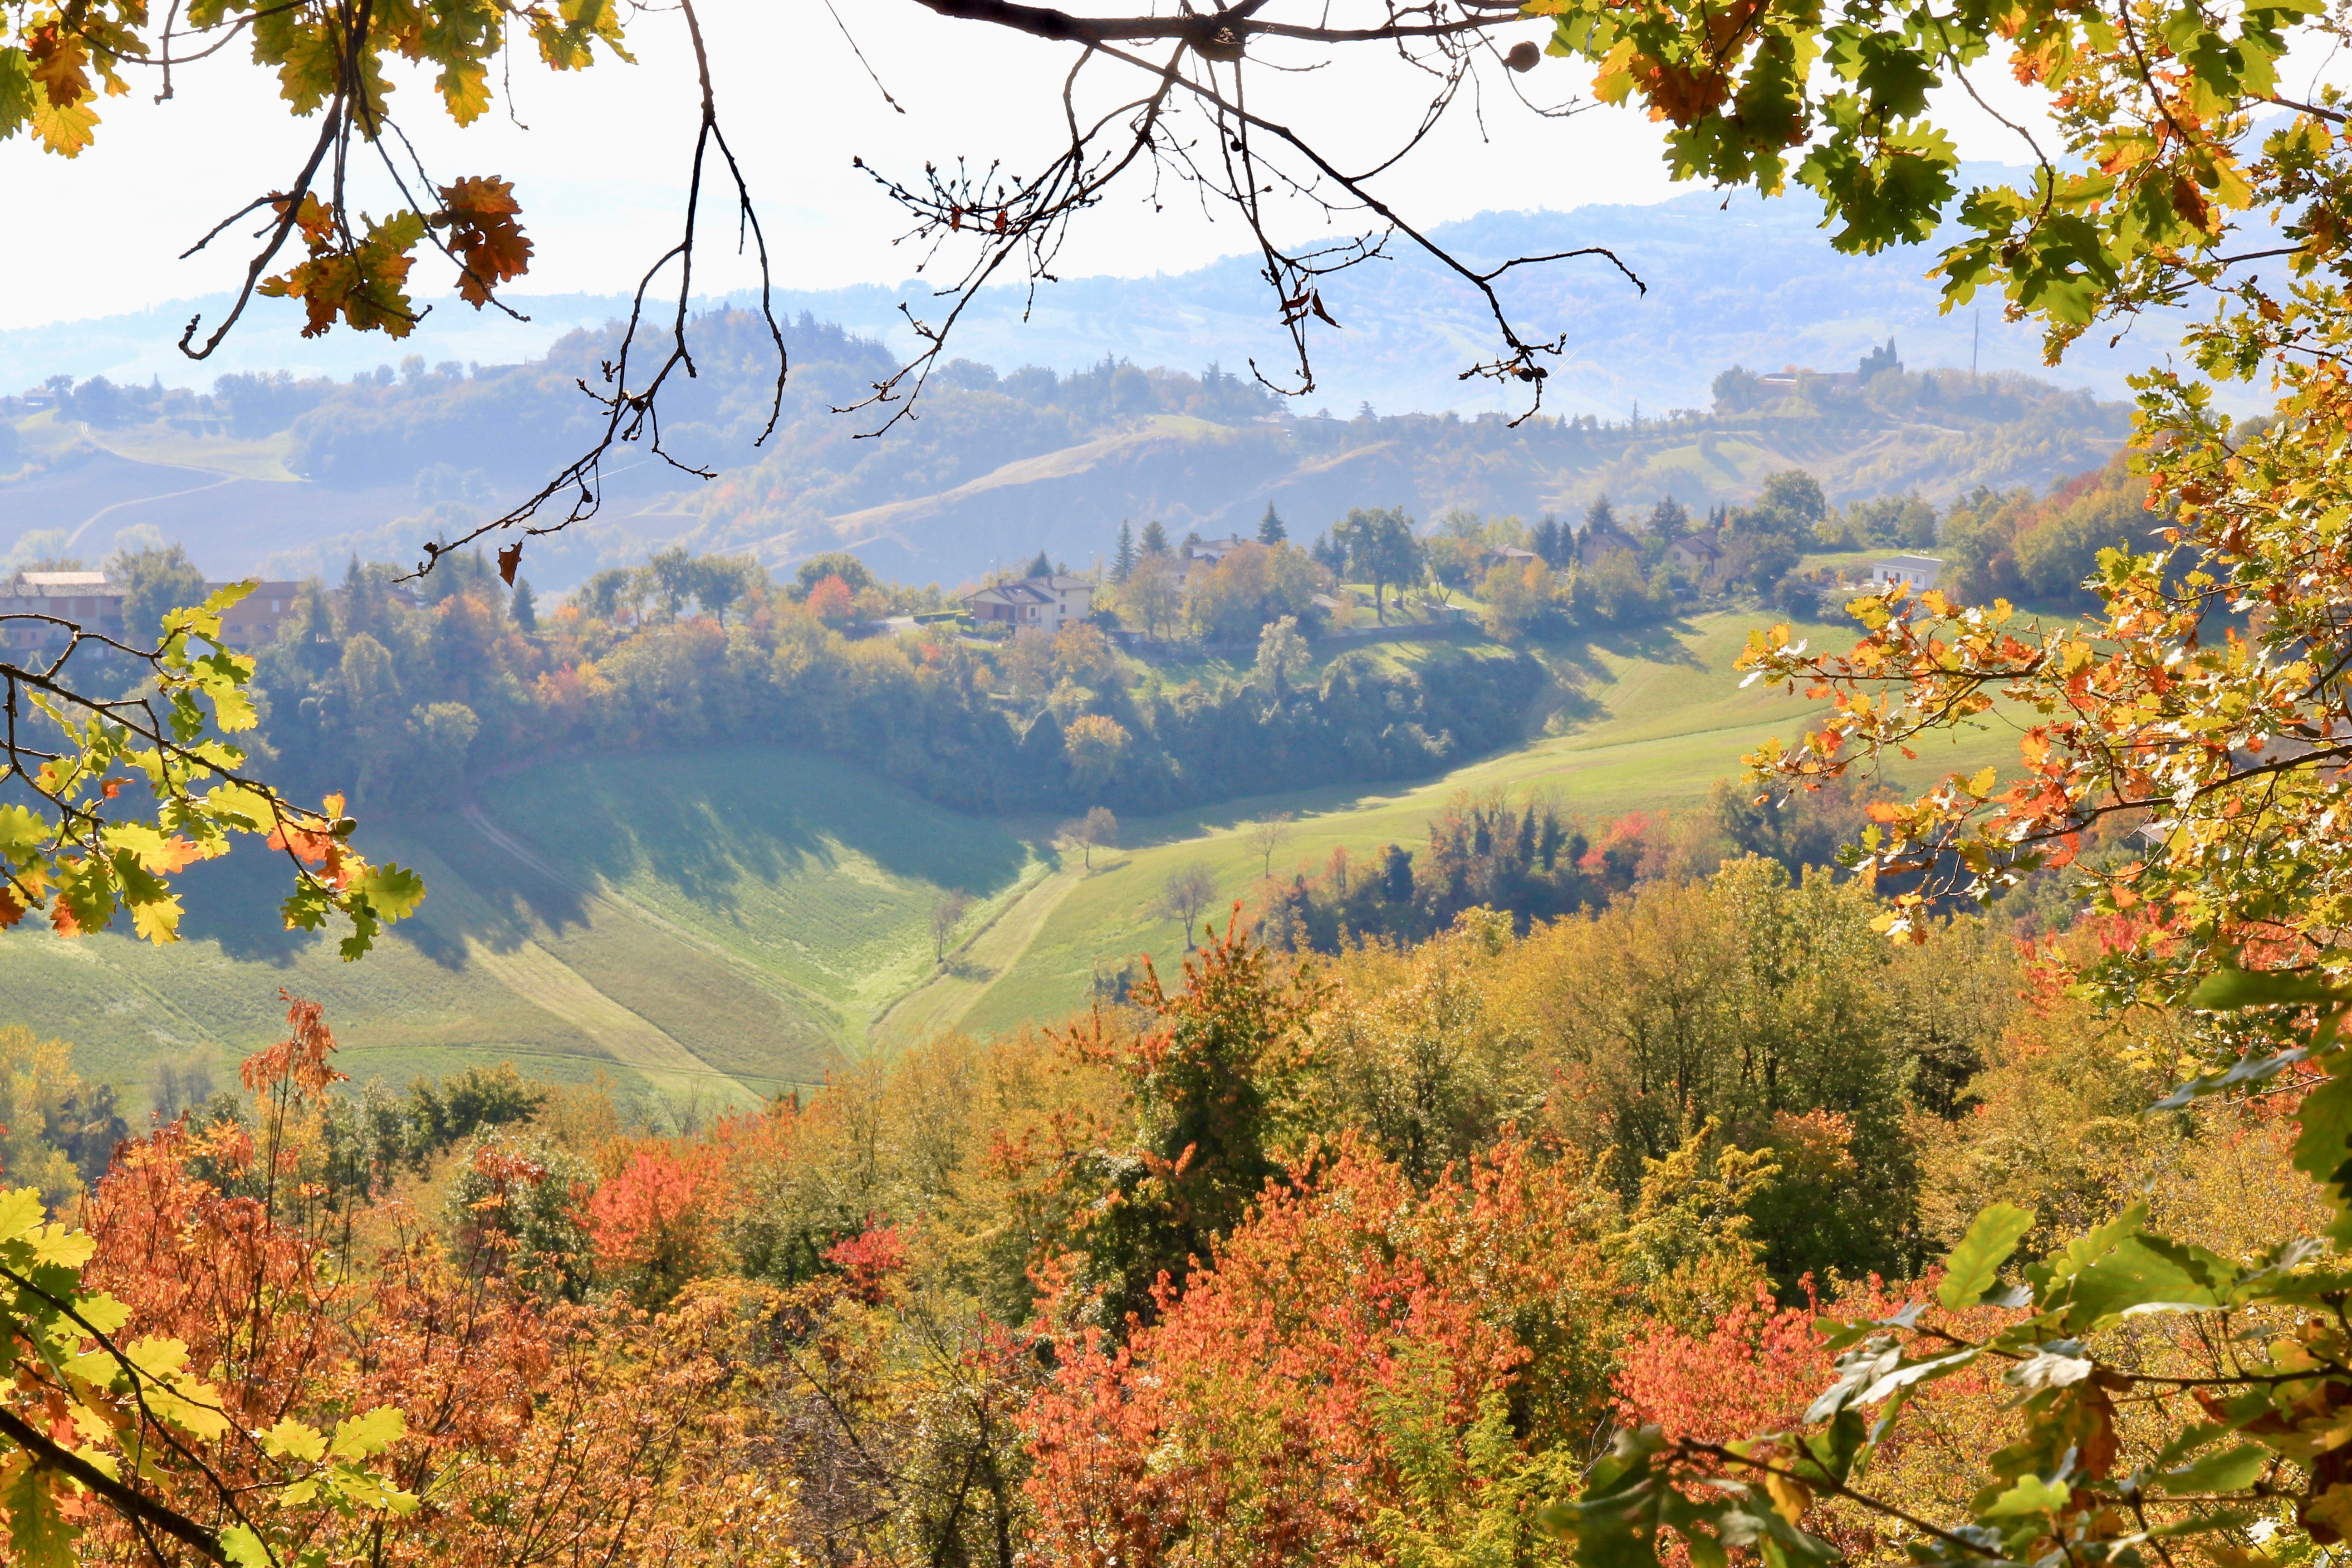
(158, 920)
(1790, 1497)
(369, 1434)
(294, 1439)
(65, 131)
(20, 1211)
(56, 1244)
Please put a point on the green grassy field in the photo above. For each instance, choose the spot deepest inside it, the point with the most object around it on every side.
(1650, 722)
(720, 924)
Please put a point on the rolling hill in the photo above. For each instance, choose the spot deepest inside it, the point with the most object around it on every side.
(719, 924)
(289, 480)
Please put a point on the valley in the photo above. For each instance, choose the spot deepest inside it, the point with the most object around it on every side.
(718, 923)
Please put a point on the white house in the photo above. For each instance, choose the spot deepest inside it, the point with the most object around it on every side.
(1918, 571)
(1048, 602)
(1214, 549)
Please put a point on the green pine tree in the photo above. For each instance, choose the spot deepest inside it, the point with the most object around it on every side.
(526, 607)
(1122, 560)
(1041, 567)
(1155, 539)
(1270, 531)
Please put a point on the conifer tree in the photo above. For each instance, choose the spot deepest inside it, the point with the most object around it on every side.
(1122, 560)
(1155, 539)
(526, 606)
(1546, 541)
(1270, 531)
(1042, 566)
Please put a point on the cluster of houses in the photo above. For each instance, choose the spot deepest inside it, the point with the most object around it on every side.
(1052, 602)
(38, 609)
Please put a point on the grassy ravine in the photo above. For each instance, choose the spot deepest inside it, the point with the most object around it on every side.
(720, 924)
(715, 924)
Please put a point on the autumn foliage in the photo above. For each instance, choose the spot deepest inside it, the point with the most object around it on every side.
(1361, 1259)
(1271, 1413)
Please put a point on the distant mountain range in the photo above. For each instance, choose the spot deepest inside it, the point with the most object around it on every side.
(1742, 280)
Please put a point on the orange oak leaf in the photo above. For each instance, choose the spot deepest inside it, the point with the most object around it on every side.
(479, 213)
(56, 58)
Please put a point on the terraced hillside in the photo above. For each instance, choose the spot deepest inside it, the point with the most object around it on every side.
(720, 924)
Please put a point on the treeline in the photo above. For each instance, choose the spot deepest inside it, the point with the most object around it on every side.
(367, 691)
(2015, 544)
(1372, 1245)
(1528, 860)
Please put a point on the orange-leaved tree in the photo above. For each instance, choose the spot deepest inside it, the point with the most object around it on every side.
(370, 1396)
(1364, 1367)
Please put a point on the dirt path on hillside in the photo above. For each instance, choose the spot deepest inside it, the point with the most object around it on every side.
(940, 1004)
(545, 981)
(628, 907)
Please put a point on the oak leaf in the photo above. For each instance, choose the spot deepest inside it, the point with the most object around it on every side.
(479, 213)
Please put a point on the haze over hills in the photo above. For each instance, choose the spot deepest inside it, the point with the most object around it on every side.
(289, 478)
(1739, 280)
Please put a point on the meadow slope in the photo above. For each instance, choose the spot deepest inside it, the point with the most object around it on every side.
(715, 925)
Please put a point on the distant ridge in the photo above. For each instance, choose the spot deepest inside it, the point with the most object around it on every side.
(1744, 281)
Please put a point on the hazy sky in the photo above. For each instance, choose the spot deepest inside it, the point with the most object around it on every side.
(601, 167)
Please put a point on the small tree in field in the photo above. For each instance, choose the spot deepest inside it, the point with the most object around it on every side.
(1185, 894)
(1098, 829)
(1267, 834)
(947, 913)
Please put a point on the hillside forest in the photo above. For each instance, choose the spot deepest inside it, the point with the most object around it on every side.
(399, 698)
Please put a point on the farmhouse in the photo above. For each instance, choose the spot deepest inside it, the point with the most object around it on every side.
(1697, 554)
(1918, 571)
(1596, 542)
(85, 598)
(253, 621)
(1050, 602)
